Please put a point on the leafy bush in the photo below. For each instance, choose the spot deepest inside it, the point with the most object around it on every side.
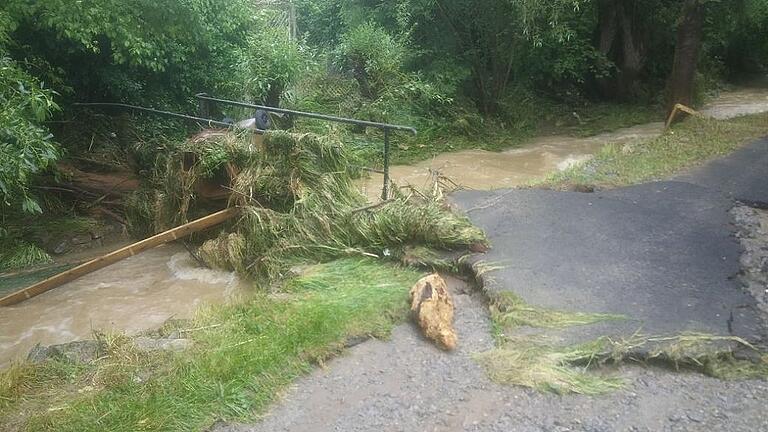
(373, 57)
(154, 52)
(270, 63)
(26, 147)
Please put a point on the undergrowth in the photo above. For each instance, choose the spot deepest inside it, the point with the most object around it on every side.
(18, 254)
(242, 357)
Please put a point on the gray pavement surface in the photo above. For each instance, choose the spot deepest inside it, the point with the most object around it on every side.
(662, 254)
(406, 384)
(742, 175)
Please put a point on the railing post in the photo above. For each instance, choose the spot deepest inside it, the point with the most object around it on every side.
(203, 106)
(385, 188)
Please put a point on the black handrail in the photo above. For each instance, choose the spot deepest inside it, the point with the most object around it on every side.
(204, 99)
(383, 126)
(155, 111)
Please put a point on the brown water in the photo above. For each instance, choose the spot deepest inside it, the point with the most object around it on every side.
(543, 156)
(136, 294)
(738, 102)
(482, 169)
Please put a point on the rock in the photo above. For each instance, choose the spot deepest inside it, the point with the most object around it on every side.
(433, 308)
(355, 340)
(478, 248)
(81, 239)
(583, 188)
(62, 247)
(73, 352)
(150, 344)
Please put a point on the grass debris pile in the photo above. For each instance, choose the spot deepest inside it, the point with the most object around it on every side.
(299, 204)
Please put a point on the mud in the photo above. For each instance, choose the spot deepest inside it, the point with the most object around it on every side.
(408, 384)
(136, 294)
(486, 170)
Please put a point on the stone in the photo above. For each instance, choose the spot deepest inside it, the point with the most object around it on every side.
(62, 247)
(81, 239)
(73, 352)
(151, 344)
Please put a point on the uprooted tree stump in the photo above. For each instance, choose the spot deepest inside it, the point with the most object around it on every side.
(432, 306)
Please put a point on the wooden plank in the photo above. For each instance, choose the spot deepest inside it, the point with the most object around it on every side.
(681, 108)
(120, 254)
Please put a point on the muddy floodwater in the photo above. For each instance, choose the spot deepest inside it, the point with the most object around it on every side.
(482, 169)
(738, 102)
(136, 294)
(542, 156)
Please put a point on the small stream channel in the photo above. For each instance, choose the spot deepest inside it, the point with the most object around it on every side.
(144, 291)
(542, 156)
(138, 293)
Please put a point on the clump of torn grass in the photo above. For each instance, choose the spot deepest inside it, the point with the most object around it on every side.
(509, 310)
(557, 369)
(242, 356)
(299, 204)
(18, 254)
(530, 362)
(684, 145)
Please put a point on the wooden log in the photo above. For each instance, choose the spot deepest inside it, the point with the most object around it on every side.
(120, 254)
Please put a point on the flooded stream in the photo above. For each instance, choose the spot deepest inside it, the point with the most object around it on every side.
(542, 156)
(143, 291)
(138, 293)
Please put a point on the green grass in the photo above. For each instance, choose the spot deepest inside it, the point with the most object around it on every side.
(18, 254)
(243, 357)
(685, 145)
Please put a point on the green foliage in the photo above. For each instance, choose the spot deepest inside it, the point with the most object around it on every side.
(271, 62)
(373, 56)
(20, 254)
(141, 51)
(26, 147)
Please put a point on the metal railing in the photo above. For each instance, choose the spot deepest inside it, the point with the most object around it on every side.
(203, 118)
(204, 105)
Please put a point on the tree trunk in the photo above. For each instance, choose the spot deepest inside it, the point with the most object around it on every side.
(680, 86)
(622, 42)
(632, 61)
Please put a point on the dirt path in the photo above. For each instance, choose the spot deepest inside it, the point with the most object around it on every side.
(405, 384)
